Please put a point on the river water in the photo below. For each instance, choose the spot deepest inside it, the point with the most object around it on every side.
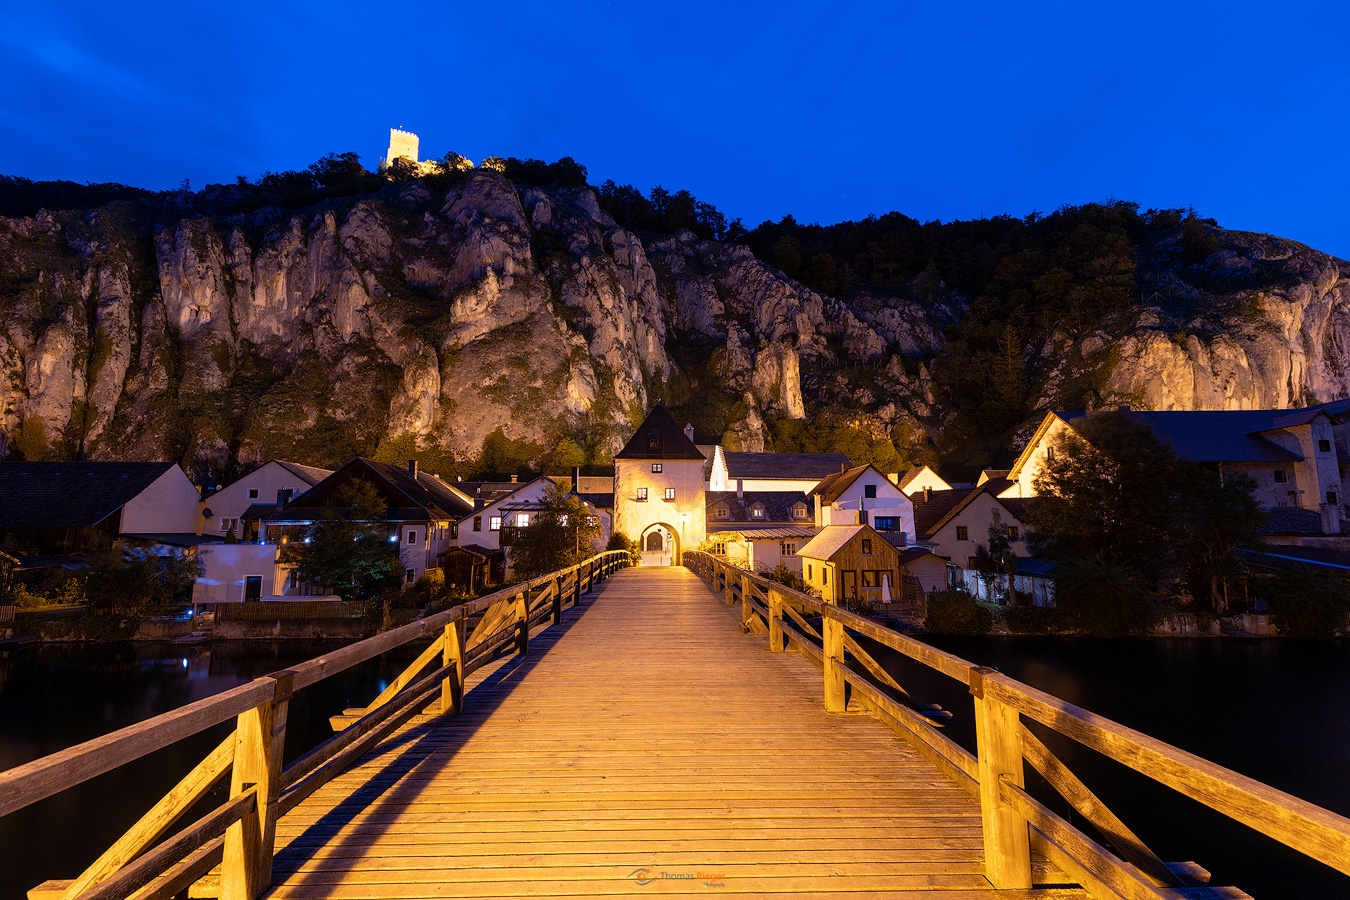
(1274, 710)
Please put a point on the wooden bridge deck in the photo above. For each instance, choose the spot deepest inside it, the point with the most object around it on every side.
(645, 737)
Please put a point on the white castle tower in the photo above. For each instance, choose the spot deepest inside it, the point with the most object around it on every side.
(402, 145)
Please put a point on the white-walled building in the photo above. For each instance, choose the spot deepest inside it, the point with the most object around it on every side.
(267, 488)
(863, 495)
(659, 489)
(776, 472)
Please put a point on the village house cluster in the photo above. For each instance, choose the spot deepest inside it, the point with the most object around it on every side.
(849, 531)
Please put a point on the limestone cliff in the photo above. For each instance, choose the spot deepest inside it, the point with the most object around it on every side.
(436, 319)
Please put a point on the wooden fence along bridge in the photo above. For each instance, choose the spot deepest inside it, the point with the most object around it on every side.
(637, 742)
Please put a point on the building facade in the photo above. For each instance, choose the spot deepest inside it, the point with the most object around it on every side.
(659, 489)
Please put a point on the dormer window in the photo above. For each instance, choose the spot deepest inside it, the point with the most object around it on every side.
(799, 511)
(721, 513)
(757, 511)
(653, 442)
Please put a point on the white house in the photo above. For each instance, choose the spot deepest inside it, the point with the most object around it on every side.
(920, 478)
(756, 472)
(862, 495)
(266, 488)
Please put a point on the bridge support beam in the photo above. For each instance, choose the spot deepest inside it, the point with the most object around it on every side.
(260, 738)
(776, 642)
(832, 632)
(998, 735)
(523, 622)
(452, 686)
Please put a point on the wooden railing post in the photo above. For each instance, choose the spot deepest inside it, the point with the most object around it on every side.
(832, 634)
(260, 738)
(557, 600)
(452, 686)
(523, 622)
(576, 588)
(747, 598)
(775, 621)
(998, 736)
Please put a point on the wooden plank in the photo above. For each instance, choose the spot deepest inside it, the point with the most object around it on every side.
(159, 819)
(998, 735)
(1316, 832)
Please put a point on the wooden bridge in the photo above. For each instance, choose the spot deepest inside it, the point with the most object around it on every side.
(609, 732)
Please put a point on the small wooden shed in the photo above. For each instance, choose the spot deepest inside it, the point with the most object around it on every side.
(851, 562)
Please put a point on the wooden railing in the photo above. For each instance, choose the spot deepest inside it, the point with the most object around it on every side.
(239, 835)
(1015, 823)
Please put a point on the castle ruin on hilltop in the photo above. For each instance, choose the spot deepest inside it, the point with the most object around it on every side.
(403, 146)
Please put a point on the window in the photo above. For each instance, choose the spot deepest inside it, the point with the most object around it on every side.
(477, 523)
(757, 511)
(656, 468)
(787, 549)
(809, 573)
(867, 547)
(887, 523)
(523, 519)
(653, 442)
(642, 493)
(1331, 496)
(799, 511)
(1281, 476)
(1012, 533)
(721, 513)
(1324, 446)
(495, 523)
(412, 535)
(253, 493)
(870, 491)
(409, 575)
(962, 533)
(871, 579)
(670, 493)
(720, 549)
(229, 524)
(454, 531)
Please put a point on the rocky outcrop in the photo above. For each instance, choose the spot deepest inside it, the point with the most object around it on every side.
(443, 318)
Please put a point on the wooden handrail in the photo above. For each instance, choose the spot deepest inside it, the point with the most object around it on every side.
(260, 789)
(1009, 814)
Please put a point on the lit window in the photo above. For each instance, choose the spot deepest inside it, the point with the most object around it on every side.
(1324, 446)
(787, 549)
(962, 533)
(1012, 533)
(871, 579)
(656, 468)
(229, 524)
(253, 493)
(477, 523)
(670, 493)
(653, 443)
(756, 512)
(642, 493)
(1281, 476)
(495, 523)
(523, 519)
(870, 491)
(867, 546)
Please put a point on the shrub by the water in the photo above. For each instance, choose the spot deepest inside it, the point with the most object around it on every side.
(1103, 601)
(956, 612)
(1031, 619)
(1304, 605)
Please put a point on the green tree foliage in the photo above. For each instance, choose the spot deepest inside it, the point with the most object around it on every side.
(620, 541)
(956, 612)
(560, 534)
(663, 211)
(349, 547)
(834, 433)
(1103, 600)
(1211, 521)
(123, 578)
(1304, 605)
(502, 455)
(566, 172)
(791, 578)
(564, 456)
(31, 441)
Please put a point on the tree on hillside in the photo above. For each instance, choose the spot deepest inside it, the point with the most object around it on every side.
(1214, 518)
(559, 535)
(349, 547)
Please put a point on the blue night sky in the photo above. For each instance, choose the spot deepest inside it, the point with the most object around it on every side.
(825, 111)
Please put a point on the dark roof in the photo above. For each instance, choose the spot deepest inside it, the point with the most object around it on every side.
(476, 550)
(778, 533)
(658, 437)
(1229, 435)
(833, 485)
(917, 553)
(489, 491)
(70, 494)
(784, 465)
(942, 506)
(599, 501)
(777, 506)
(1316, 559)
(176, 540)
(310, 474)
(258, 511)
(1291, 520)
(410, 499)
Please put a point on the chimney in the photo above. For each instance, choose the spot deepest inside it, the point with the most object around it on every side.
(689, 432)
(1331, 518)
(576, 478)
(281, 500)
(740, 488)
(927, 493)
(477, 499)
(513, 479)
(412, 467)
(843, 467)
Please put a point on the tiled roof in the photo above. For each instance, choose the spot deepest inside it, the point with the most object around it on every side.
(1291, 520)
(832, 486)
(777, 506)
(829, 541)
(177, 540)
(423, 498)
(1230, 435)
(658, 437)
(942, 506)
(779, 533)
(476, 550)
(1334, 562)
(917, 553)
(310, 474)
(785, 465)
(70, 494)
(599, 501)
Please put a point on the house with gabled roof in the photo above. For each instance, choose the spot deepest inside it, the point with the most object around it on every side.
(69, 507)
(1296, 456)
(863, 495)
(239, 506)
(659, 487)
(758, 472)
(920, 478)
(956, 523)
(851, 563)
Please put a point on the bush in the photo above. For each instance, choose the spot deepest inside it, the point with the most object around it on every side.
(1305, 605)
(956, 612)
(1031, 619)
(792, 579)
(1103, 601)
(620, 541)
(428, 589)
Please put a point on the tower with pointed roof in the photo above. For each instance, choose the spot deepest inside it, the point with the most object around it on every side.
(659, 489)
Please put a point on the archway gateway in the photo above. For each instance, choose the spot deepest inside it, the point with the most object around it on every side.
(660, 545)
